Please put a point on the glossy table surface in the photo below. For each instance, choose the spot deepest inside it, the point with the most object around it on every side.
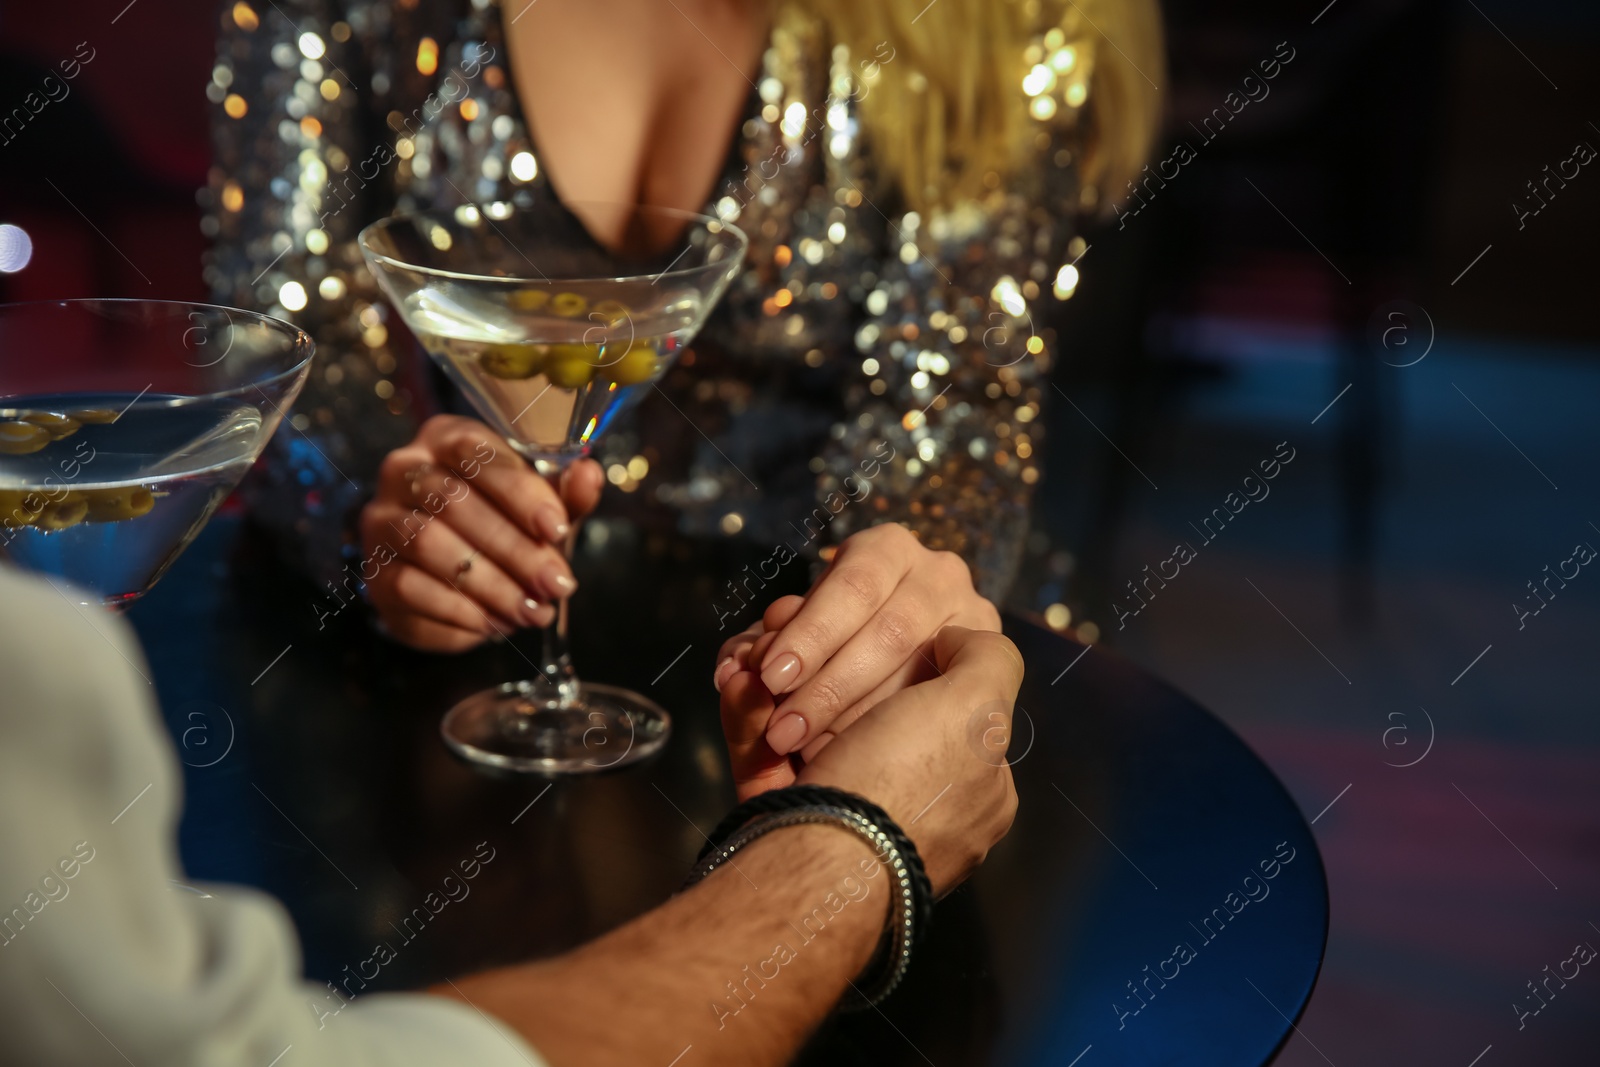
(1160, 899)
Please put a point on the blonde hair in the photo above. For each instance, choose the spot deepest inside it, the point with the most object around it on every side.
(951, 106)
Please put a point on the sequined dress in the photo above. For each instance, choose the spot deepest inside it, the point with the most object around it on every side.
(870, 364)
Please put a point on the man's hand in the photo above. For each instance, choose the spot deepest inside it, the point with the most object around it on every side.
(863, 632)
(468, 538)
(909, 754)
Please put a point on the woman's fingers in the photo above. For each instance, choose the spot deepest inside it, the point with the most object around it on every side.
(732, 661)
(741, 640)
(443, 553)
(880, 657)
(781, 612)
(461, 472)
(731, 656)
(736, 651)
(422, 611)
(914, 671)
(776, 617)
(746, 705)
(859, 581)
(479, 532)
(893, 634)
(490, 466)
(753, 654)
(540, 568)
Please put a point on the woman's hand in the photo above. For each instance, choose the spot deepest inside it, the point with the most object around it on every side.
(467, 538)
(864, 631)
(907, 752)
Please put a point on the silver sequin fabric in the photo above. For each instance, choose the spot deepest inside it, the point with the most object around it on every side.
(871, 363)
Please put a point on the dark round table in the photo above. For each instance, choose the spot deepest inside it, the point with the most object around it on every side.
(1160, 899)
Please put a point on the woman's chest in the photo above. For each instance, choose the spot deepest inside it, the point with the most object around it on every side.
(783, 160)
(633, 102)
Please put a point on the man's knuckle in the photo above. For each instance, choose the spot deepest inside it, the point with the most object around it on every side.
(870, 535)
(952, 567)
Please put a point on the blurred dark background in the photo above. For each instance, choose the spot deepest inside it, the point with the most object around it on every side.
(1341, 268)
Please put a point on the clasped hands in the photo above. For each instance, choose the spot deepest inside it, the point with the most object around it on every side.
(872, 682)
(877, 682)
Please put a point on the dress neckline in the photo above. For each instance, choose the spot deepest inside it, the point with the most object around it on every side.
(732, 158)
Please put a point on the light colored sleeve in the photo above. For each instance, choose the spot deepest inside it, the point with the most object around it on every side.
(102, 961)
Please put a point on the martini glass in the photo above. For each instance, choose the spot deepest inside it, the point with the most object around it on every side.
(124, 423)
(552, 336)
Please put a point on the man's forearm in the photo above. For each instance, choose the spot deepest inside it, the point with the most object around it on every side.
(741, 968)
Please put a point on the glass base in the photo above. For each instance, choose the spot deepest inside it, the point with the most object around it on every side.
(525, 728)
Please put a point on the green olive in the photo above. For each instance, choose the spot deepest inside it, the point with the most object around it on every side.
(114, 505)
(63, 513)
(568, 305)
(20, 438)
(512, 361)
(58, 426)
(96, 416)
(637, 365)
(569, 372)
(593, 355)
(529, 299)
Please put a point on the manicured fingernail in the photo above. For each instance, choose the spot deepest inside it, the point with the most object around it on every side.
(561, 583)
(531, 614)
(786, 734)
(552, 523)
(724, 671)
(780, 676)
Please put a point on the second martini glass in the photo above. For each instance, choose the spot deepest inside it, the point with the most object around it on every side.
(552, 336)
(124, 424)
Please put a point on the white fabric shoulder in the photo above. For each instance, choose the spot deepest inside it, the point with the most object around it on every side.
(101, 961)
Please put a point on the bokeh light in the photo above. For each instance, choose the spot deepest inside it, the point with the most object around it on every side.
(16, 248)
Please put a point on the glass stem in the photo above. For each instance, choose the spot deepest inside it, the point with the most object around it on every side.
(554, 661)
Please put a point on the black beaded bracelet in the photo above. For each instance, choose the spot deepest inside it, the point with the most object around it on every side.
(819, 804)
